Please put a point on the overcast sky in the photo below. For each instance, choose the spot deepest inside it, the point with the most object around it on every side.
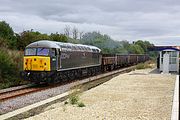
(157, 21)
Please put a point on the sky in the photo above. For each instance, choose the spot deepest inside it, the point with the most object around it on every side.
(157, 21)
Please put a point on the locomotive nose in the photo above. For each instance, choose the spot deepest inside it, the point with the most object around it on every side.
(37, 63)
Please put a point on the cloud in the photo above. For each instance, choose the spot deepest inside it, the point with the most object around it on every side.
(153, 20)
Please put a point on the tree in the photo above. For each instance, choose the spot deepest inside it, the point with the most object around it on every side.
(25, 38)
(58, 37)
(3, 43)
(67, 30)
(81, 34)
(75, 33)
(7, 34)
(42, 37)
(135, 49)
(125, 44)
(120, 50)
(104, 42)
(144, 45)
(29, 36)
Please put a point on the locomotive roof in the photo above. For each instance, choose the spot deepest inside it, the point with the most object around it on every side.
(64, 46)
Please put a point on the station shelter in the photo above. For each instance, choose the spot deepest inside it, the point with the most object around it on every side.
(168, 60)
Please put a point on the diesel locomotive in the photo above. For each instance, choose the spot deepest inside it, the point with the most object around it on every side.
(50, 62)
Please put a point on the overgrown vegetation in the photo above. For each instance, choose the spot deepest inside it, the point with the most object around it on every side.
(145, 65)
(10, 66)
(81, 104)
(74, 98)
(12, 43)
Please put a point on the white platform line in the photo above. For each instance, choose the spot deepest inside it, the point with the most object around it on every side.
(175, 107)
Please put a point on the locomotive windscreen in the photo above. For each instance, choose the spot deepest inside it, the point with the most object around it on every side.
(37, 51)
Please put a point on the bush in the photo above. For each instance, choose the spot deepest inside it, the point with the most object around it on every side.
(7, 66)
(81, 104)
(7, 69)
(10, 65)
(3, 43)
(74, 99)
(144, 65)
(140, 66)
(17, 58)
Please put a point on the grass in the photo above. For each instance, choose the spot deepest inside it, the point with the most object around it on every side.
(140, 66)
(148, 64)
(74, 97)
(81, 104)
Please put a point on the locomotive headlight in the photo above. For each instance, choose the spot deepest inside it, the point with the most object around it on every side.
(28, 73)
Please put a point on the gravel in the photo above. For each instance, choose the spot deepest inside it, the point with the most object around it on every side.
(136, 95)
(28, 99)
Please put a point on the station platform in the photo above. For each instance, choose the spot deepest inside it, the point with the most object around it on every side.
(140, 94)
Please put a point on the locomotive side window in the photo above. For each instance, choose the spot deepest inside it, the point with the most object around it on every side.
(43, 51)
(30, 51)
(53, 52)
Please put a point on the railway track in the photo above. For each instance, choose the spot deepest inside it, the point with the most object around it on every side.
(14, 88)
(13, 92)
(27, 89)
(17, 92)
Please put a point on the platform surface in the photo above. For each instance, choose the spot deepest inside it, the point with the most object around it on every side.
(140, 94)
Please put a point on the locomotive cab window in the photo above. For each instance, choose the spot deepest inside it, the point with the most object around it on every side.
(36, 51)
(43, 51)
(30, 51)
